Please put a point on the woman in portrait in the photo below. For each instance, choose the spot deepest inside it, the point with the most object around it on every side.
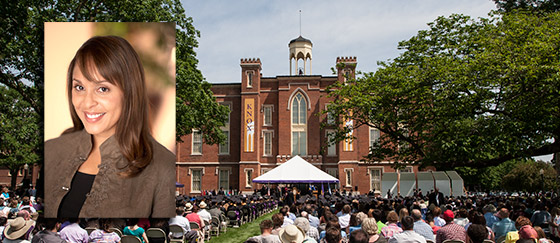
(108, 165)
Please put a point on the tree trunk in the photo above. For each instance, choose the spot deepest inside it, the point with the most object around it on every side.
(14, 178)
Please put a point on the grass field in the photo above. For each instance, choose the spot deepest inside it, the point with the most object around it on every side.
(239, 235)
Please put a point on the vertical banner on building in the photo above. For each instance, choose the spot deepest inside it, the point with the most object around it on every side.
(249, 121)
(348, 141)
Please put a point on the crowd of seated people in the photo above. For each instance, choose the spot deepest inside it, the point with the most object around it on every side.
(432, 218)
(336, 217)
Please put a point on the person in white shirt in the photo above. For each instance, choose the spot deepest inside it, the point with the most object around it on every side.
(408, 235)
(205, 215)
(180, 221)
(344, 219)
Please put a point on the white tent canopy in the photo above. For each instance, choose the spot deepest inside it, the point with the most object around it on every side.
(296, 170)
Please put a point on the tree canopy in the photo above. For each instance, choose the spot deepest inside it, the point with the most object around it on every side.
(464, 92)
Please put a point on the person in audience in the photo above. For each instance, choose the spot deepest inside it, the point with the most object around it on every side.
(528, 232)
(378, 216)
(333, 223)
(344, 218)
(438, 221)
(505, 225)
(285, 213)
(421, 227)
(49, 233)
(403, 212)
(303, 224)
(180, 221)
(477, 233)
(291, 234)
(104, 234)
(542, 236)
(18, 231)
(462, 218)
(391, 228)
(135, 230)
(370, 227)
(489, 211)
(205, 215)
(408, 235)
(277, 221)
(521, 221)
(192, 215)
(450, 231)
(541, 216)
(333, 235)
(73, 233)
(358, 236)
(478, 218)
(266, 235)
(554, 224)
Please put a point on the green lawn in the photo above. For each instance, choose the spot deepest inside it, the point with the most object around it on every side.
(242, 233)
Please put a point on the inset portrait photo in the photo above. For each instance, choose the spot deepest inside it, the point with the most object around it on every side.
(109, 120)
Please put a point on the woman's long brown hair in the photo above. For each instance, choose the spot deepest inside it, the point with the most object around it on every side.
(116, 61)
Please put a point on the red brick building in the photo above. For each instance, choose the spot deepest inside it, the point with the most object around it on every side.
(273, 119)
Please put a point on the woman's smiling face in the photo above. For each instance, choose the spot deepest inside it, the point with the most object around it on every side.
(97, 102)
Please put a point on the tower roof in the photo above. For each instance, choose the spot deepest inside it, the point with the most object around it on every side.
(300, 39)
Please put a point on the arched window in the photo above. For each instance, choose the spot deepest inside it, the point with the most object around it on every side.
(299, 125)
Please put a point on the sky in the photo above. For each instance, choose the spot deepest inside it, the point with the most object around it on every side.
(367, 29)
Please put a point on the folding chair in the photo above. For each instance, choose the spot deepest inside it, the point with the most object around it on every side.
(130, 239)
(176, 229)
(156, 234)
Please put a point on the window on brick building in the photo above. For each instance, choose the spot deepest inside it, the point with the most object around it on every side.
(224, 147)
(375, 179)
(224, 179)
(348, 174)
(267, 143)
(267, 113)
(196, 177)
(374, 135)
(330, 115)
(299, 125)
(249, 78)
(406, 169)
(333, 172)
(196, 142)
(248, 177)
(331, 146)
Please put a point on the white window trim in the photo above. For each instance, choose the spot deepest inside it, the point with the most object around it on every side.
(250, 84)
(271, 143)
(298, 127)
(192, 143)
(201, 176)
(328, 143)
(332, 169)
(264, 170)
(369, 138)
(369, 168)
(351, 170)
(226, 127)
(218, 169)
(271, 115)
(246, 174)
(408, 167)
(329, 121)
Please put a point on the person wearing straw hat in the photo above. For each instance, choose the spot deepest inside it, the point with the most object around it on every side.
(291, 234)
(18, 230)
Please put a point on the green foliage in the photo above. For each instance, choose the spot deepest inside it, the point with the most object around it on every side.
(19, 136)
(533, 5)
(464, 92)
(513, 175)
(527, 177)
